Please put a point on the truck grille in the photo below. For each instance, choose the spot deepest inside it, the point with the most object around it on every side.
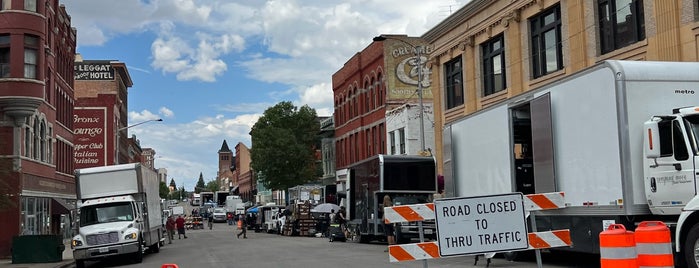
(100, 239)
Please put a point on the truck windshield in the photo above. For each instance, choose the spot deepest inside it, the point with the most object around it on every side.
(692, 126)
(102, 213)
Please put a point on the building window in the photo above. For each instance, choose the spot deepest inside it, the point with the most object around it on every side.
(401, 140)
(4, 55)
(621, 23)
(5, 4)
(493, 65)
(454, 87)
(546, 42)
(392, 141)
(31, 45)
(36, 218)
(30, 5)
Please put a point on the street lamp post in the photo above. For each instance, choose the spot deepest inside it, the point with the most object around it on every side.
(116, 156)
(418, 53)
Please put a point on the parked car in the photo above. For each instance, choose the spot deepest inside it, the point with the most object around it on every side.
(220, 215)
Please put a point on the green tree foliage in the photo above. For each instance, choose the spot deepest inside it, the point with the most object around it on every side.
(164, 191)
(283, 146)
(212, 186)
(200, 184)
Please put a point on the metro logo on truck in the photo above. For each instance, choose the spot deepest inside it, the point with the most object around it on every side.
(481, 224)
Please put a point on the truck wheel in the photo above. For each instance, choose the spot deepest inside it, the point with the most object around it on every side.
(401, 239)
(79, 263)
(691, 247)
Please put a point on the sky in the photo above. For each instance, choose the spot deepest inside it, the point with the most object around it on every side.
(210, 68)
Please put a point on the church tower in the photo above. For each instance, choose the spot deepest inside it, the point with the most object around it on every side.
(225, 161)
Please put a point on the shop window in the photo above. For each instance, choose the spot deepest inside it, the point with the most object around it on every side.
(493, 65)
(454, 87)
(547, 55)
(621, 23)
(35, 215)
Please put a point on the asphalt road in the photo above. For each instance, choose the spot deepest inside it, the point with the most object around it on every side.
(220, 248)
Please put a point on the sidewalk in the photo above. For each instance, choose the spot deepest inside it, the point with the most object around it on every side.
(66, 262)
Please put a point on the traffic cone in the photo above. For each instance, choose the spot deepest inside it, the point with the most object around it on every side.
(617, 248)
(653, 245)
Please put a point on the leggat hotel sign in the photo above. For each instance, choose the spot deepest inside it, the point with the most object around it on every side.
(481, 224)
(101, 70)
(90, 136)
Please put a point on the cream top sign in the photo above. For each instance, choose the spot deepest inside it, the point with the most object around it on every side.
(404, 60)
(94, 71)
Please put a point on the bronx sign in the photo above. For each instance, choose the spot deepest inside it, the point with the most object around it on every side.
(473, 225)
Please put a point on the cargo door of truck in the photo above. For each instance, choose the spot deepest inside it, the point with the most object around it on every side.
(532, 145)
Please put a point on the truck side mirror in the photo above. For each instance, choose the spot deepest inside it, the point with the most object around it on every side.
(651, 139)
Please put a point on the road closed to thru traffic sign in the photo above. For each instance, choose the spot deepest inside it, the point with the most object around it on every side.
(473, 225)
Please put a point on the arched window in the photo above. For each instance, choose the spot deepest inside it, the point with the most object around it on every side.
(37, 139)
(43, 141)
(28, 134)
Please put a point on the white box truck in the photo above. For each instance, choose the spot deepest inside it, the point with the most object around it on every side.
(119, 212)
(621, 139)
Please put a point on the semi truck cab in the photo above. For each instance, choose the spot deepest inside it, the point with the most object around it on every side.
(108, 226)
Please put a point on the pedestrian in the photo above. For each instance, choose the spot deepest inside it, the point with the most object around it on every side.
(331, 219)
(229, 216)
(388, 227)
(180, 227)
(170, 227)
(243, 228)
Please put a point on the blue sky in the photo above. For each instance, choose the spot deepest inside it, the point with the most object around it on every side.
(209, 68)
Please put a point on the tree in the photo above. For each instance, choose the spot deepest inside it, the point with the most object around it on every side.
(212, 186)
(200, 184)
(283, 146)
(164, 191)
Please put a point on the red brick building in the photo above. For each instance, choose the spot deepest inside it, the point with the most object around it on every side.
(101, 106)
(37, 49)
(378, 79)
(244, 177)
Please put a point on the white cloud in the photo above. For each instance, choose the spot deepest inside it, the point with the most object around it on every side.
(142, 116)
(166, 112)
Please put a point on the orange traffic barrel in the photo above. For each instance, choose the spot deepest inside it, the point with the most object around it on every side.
(617, 248)
(653, 245)
(169, 265)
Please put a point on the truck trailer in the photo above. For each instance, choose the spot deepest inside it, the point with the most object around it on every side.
(620, 139)
(119, 212)
(406, 179)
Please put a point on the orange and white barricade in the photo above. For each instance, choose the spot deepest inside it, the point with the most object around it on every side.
(654, 245)
(617, 248)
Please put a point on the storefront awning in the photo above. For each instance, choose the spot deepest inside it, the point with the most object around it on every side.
(61, 206)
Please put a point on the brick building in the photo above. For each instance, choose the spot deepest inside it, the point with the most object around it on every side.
(224, 176)
(101, 106)
(37, 48)
(380, 78)
(243, 175)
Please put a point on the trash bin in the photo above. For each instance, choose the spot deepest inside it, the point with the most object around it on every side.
(37, 248)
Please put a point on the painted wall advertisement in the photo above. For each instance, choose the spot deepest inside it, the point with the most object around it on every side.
(405, 69)
(90, 136)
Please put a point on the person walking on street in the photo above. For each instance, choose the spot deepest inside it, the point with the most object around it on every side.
(170, 227)
(387, 227)
(243, 227)
(180, 227)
